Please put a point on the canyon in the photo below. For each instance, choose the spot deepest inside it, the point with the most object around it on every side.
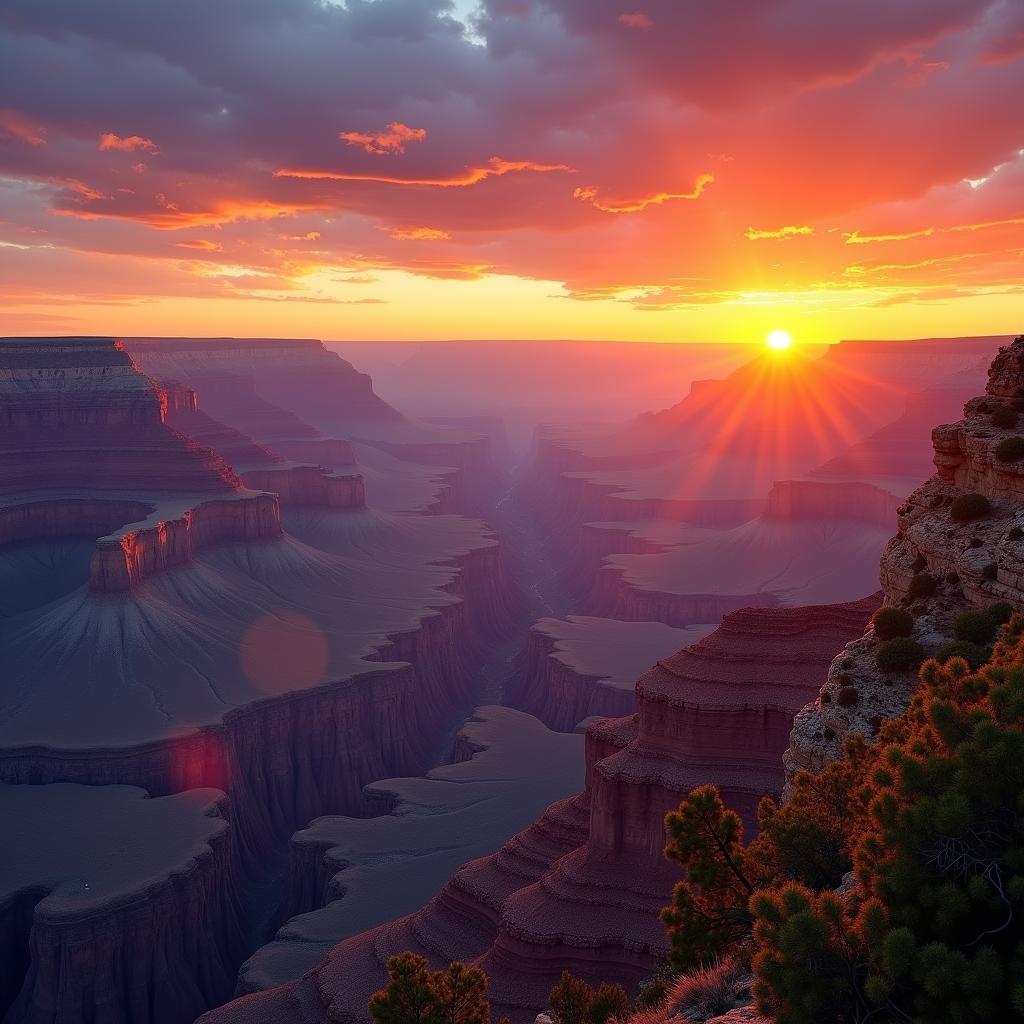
(410, 682)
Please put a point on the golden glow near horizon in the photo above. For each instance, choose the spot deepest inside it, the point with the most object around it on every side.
(779, 340)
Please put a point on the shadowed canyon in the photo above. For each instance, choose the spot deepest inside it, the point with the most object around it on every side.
(314, 653)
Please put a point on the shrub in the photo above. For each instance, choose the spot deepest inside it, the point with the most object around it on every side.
(990, 572)
(919, 564)
(952, 578)
(976, 542)
(975, 627)
(901, 654)
(707, 992)
(933, 931)
(1014, 533)
(826, 697)
(1010, 449)
(974, 654)
(848, 696)
(573, 1001)
(417, 995)
(922, 584)
(890, 622)
(1004, 417)
(1001, 611)
(966, 507)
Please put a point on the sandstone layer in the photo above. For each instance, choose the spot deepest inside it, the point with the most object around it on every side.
(582, 666)
(114, 906)
(350, 874)
(580, 888)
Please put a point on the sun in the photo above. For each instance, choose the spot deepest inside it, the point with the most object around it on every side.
(779, 340)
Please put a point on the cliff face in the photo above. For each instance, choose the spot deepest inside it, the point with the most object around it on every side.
(85, 437)
(972, 562)
(580, 888)
(133, 914)
(293, 373)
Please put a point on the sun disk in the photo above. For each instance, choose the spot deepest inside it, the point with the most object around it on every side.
(779, 340)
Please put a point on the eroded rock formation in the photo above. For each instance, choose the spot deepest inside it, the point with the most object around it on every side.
(940, 563)
(581, 887)
(132, 914)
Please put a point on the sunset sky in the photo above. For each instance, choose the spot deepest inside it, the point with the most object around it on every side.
(664, 169)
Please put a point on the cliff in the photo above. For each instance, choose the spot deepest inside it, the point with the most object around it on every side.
(580, 889)
(965, 562)
(350, 874)
(293, 373)
(582, 667)
(115, 907)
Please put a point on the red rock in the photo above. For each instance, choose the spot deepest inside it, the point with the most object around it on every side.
(581, 888)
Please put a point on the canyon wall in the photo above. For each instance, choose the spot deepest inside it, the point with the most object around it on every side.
(954, 563)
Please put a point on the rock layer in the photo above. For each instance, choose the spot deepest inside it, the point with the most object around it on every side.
(581, 887)
(131, 913)
(968, 562)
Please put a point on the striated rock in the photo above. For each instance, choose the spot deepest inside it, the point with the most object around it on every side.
(581, 666)
(294, 373)
(580, 889)
(348, 874)
(84, 435)
(972, 564)
(115, 907)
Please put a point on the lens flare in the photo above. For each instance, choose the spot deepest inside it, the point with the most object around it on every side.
(779, 340)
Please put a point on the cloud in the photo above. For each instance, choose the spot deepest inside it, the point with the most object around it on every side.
(591, 195)
(495, 167)
(20, 128)
(203, 244)
(789, 231)
(392, 140)
(417, 234)
(636, 20)
(130, 144)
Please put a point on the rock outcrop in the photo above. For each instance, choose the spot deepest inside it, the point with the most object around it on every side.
(350, 874)
(115, 907)
(580, 888)
(581, 667)
(941, 562)
(87, 449)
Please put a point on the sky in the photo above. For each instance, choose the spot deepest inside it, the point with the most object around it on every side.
(671, 170)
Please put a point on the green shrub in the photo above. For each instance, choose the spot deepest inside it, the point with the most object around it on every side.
(969, 506)
(975, 626)
(848, 696)
(1004, 417)
(990, 572)
(1001, 612)
(974, 654)
(922, 584)
(901, 654)
(890, 622)
(1010, 449)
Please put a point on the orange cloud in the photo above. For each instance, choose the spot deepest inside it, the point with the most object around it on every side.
(392, 140)
(636, 20)
(129, 144)
(590, 195)
(856, 238)
(789, 231)
(417, 234)
(171, 217)
(496, 167)
(15, 126)
(201, 243)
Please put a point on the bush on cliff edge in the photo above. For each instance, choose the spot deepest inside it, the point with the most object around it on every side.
(929, 926)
